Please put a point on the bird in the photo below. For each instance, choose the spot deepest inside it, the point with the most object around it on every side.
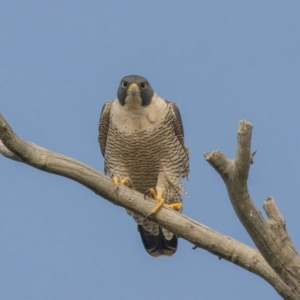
(141, 138)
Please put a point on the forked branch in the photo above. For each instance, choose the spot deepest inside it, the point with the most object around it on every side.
(270, 237)
(201, 236)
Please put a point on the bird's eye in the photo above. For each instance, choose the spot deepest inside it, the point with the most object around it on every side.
(124, 84)
(143, 85)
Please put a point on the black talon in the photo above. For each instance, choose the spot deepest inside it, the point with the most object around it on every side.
(116, 189)
(146, 193)
(130, 183)
(148, 215)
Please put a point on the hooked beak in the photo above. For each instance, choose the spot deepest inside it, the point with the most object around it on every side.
(133, 89)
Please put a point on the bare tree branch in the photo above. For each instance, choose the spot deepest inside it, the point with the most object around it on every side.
(270, 237)
(198, 234)
(4, 151)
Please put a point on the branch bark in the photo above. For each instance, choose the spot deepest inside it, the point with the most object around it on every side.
(201, 236)
(270, 237)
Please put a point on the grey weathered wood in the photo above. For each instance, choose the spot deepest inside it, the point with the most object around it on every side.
(270, 237)
(203, 237)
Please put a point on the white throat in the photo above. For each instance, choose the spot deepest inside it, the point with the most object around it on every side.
(133, 103)
(133, 117)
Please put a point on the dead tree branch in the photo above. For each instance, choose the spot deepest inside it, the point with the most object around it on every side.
(201, 236)
(270, 237)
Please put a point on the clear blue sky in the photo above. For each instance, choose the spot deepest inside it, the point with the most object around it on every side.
(222, 61)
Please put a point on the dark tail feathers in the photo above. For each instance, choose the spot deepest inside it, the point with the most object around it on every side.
(157, 245)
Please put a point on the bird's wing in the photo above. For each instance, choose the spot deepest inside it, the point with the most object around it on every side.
(104, 125)
(178, 126)
(179, 132)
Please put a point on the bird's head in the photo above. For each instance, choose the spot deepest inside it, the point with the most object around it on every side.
(135, 89)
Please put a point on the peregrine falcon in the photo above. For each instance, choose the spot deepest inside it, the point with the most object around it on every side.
(142, 141)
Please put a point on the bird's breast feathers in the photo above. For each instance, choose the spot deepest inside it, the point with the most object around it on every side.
(133, 117)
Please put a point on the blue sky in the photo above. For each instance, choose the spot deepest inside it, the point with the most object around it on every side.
(222, 61)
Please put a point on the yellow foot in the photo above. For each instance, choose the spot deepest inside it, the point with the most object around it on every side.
(158, 198)
(161, 201)
(125, 181)
(176, 206)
